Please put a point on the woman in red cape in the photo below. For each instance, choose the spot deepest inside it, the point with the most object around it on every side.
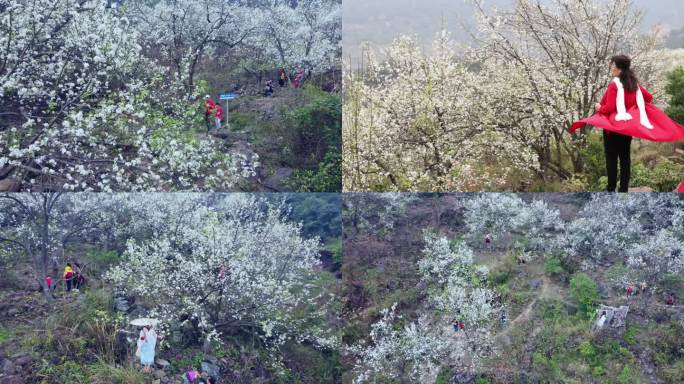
(626, 111)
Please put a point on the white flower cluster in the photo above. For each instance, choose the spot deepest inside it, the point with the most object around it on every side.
(457, 292)
(235, 264)
(493, 115)
(532, 225)
(417, 121)
(268, 34)
(643, 231)
(90, 102)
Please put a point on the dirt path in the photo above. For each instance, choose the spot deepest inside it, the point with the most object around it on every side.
(549, 290)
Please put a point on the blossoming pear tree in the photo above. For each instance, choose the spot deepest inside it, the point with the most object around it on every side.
(84, 109)
(494, 114)
(301, 33)
(642, 231)
(562, 49)
(532, 225)
(405, 350)
(236, 265)
(417, 121)
(185, 33)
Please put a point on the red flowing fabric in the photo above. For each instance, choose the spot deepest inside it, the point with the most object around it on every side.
(664, 128)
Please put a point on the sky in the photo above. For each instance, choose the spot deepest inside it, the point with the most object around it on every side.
(378, 21)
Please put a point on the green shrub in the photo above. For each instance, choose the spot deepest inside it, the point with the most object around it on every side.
(616, 274)
(335, 247)
(539, 360)
(553, 265)
(594, 162)
(672, 282)
(327, 177)
(587, 351)
(103, 373)
(241, 120)
(675, 88)
(584, 291)
(630, 335)
(626, 376)
(66, 372)
(316, 126)
(5, 334)
(444, 376)
(353, 333)
(499, 277)
(664, 176)
(306, 364)
(70, 371)
(197, 359)
(598, 371)
(103, 257)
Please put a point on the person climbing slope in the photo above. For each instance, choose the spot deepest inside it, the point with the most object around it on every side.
(626, 111)
(670, 299)
(190, 376)
(68, 276)
(299, 78)
(268, 89)
(209, 105)
(218, 115)
(78, 280)
(282, 77)
(629, 290)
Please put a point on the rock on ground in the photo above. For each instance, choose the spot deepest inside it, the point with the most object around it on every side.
(642, 190)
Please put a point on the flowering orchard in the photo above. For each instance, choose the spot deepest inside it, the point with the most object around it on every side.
(414, 339)
(494, 114)
(274, 33)
(94, 98)
(238, 265)
(457, 292)
(211, 264)
(417, 122)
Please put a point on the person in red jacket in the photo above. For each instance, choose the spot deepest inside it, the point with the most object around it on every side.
(219, 116)
(629, 290)
(680, 189)
(209, 105)
(626, 111)
(669, 300)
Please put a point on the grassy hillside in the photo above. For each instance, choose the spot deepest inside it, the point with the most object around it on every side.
(548, 333)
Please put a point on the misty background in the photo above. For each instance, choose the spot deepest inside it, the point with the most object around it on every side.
(379, 21)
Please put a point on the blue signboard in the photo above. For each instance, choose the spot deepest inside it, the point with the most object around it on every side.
(228, 96)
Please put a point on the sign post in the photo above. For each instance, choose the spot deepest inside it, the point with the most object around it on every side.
(227, 97)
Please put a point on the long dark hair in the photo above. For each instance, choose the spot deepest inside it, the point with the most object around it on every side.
(627, 76)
